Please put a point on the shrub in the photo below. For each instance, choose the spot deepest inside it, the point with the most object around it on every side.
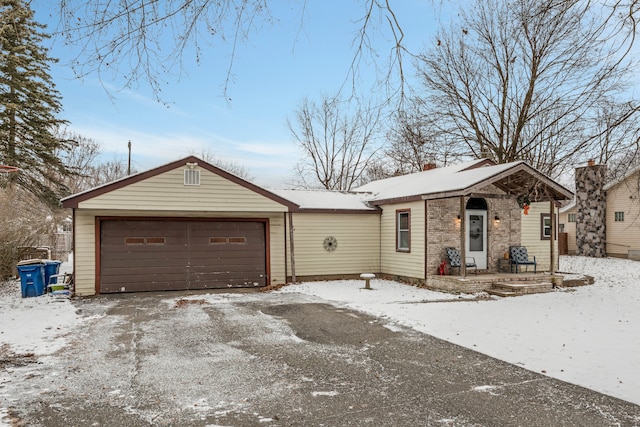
(23, 220)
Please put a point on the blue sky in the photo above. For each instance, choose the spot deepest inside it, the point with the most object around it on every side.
(273, 72)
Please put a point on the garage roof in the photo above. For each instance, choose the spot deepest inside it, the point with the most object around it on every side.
(74, 200)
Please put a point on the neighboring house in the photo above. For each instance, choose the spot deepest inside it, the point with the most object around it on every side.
(567, 224)
(191, 225)
(621, 212)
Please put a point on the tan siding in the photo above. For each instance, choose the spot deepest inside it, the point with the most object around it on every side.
(85, 241)
(358, 237)
(168, 192)
(531, 233)
(401, 263)
(623, 236)
(84, 253)
(570, 229)
(277, 249)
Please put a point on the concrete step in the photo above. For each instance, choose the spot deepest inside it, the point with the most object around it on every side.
(522, 288)
(503, 293)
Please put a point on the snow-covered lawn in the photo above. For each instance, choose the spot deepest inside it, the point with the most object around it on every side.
(588, 336)
(34, 325)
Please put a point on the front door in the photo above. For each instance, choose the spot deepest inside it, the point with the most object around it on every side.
(476, 239)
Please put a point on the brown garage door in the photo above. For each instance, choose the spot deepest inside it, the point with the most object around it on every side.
(154, 255)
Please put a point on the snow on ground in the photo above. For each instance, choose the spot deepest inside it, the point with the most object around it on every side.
(34, 325)
(587, 336)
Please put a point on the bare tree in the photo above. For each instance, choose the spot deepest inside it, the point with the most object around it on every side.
(146, 40)
(235, 168)
(109, 171)
(337, 146)
(80, 158)
(414, 141)
(619, 138)
(524, 80)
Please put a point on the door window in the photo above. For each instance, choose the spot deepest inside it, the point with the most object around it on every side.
(476, 233)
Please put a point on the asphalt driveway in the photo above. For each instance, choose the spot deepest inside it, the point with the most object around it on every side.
(248, 359)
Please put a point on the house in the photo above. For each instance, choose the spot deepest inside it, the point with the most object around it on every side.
(615, 202)
(567, 229)
(191, 225)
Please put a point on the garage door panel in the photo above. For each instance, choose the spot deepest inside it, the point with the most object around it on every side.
(151, 257)
(129, 283)
(133, 271)
(140, 255)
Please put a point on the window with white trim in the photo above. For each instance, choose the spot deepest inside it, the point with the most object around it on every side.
(571, 217)
(403, 231)
(618, 216)
(545, 226)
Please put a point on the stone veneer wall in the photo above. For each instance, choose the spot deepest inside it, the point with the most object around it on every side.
(508, 232)
(591, 203)
(443, 229)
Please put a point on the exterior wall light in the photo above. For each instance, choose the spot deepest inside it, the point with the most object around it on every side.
(497, 219)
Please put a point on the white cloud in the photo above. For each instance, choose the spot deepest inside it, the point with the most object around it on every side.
(268, 162)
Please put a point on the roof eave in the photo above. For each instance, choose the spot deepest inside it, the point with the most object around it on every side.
(74, 200)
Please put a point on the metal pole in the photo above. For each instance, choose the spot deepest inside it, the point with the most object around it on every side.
(129, 163)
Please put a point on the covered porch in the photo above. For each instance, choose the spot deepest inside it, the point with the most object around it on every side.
(490, 218)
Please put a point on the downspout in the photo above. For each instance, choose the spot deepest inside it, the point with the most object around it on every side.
(552, 238)
(286, 266)
(293, 258)
(463, 245)
(426, 246)
(380, 239)
(73, 250)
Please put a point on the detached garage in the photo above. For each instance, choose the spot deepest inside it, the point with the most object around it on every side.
(170, 254)
(190, 225)
(185, 225)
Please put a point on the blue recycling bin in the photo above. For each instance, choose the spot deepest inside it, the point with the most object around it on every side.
(51, 267)
(31, 279)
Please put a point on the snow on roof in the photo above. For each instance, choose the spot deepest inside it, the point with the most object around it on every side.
(326, 199)
(623, 178)
(439, 180)
(568, 207)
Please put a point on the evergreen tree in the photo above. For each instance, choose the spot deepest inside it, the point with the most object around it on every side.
(29, 103)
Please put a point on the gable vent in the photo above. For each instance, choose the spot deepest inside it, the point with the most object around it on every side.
(191, 177)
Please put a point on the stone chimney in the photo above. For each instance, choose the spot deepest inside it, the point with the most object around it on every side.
(428, 166)
(591, 201)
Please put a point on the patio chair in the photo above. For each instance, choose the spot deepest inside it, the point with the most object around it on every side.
(455, 260)
(60, 284)
(518, 256)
